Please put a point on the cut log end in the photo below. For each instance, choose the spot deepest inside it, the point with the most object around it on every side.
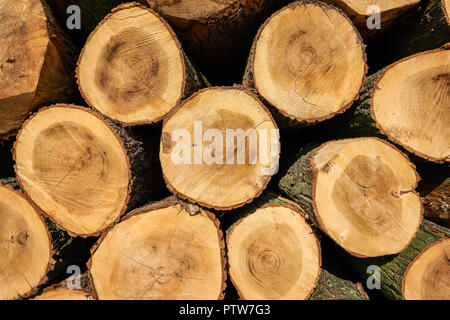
(303, 78)
(132, 68)
(202, 160)
(74, 167)
(25, 248)
(361, 192)
(163, 252)
(273, 254)
(411, 104)
(191, 10)
(364, 196)
(428, 276)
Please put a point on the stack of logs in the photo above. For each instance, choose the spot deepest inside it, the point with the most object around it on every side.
(333, 183)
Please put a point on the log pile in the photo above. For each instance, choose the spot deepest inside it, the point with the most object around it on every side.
(207, 149)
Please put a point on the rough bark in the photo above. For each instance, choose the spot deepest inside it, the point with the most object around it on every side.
(393, 267)
(287, 120)
(332, 287)
(207, 182)
(177, 265)
(297, 183)
(242, 276)
(107, 68)
(307, 179)
(425, 29)
(142, 147)
(359, 120)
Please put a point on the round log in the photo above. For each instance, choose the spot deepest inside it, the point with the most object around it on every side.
(361, 192)
(132, 68)
(80, 170)
(399, 118)
(215, 154)
(304, 79)
(273, 253)
(410, 104)
(167, 250)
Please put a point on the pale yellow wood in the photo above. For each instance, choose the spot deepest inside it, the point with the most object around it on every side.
(364, 196)
(131, 68)
(63, 293)
(24, 246)
(309, 61)
(411, 104)
(428, 276)
(74, 167)
(161, 254)
(222, 185)
(273, 254)
(23, 45)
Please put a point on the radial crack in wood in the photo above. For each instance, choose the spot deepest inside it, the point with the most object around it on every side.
(273, 254)
(219, 147)
(361, 192)
(307, 61)
(161, 251)
(74, 167)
